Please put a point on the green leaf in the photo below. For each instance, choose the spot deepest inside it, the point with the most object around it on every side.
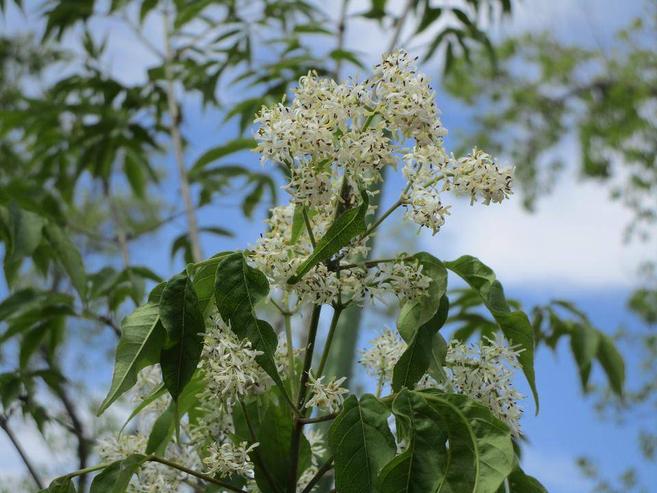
(142, 337)
(275, 436)
(612, 362)
(60, 485)
(203, 276)
(515, 325)
(134, 172)
(179, 308)
(454, 445)
(116, 477)
(31, 342)
(183, 322)
(298, 226)
(496, 453)
(238, 288)
(162, 430)
(146, 7)
(519, 482)
(345, 228)
(26, 230)
(158, 392)
(218, 152)
(361, 442)
(348, 56)
(430, 15)
(415, 360)
(68, 257)
(416, 313)
(428, 464)
(584, 343)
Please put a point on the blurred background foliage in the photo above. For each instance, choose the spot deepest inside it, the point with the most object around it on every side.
(94, 169)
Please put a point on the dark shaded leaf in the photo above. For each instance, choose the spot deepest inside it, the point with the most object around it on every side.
(361, 442)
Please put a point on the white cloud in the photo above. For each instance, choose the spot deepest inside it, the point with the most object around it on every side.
(575, 237)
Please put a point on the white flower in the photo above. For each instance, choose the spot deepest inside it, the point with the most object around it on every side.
(425, 208)
(317, 450)
(306, 477)
(228, 459)
(484, 372)
(477, 175)
(403, 278)
(317, 443)
(229, 365)
(382, 355)
(215, 422)
(406, 99)
(151, 477)
(329, 396)
(310, 185)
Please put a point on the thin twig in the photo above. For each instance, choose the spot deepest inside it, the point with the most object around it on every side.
(174, 129)
(298, 425)
(318, 419)
(342, 29)
(328, 465)
(309, 226)
(200, 475)
(337, 311)
(19, 448)
(400, 25)
(77, 425)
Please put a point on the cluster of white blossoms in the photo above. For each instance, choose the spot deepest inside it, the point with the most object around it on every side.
(229, 458)
(318, 450)
(229, 365)
(483, 372)
(336, 139)
(328, 396)
(152, 477)
(382, 354)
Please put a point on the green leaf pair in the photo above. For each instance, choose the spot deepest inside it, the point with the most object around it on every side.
(452, 444)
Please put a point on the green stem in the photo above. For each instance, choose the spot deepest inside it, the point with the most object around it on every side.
(337, 311)
(309, 226)
(200, 475)
(166, 462)
(328, 465)
(318, 419)
(290, 348)
(298, 425)
(379, 386)
(369, 263)
(87, 470)
(383, 217)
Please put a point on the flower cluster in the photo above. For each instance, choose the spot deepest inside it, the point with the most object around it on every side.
(152, 477)
(380, 358)
(228, 459)
(484, 372)
(229, 365)
(334, 140)
(328, 396)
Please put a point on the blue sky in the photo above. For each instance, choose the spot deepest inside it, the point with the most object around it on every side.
(566, 250)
